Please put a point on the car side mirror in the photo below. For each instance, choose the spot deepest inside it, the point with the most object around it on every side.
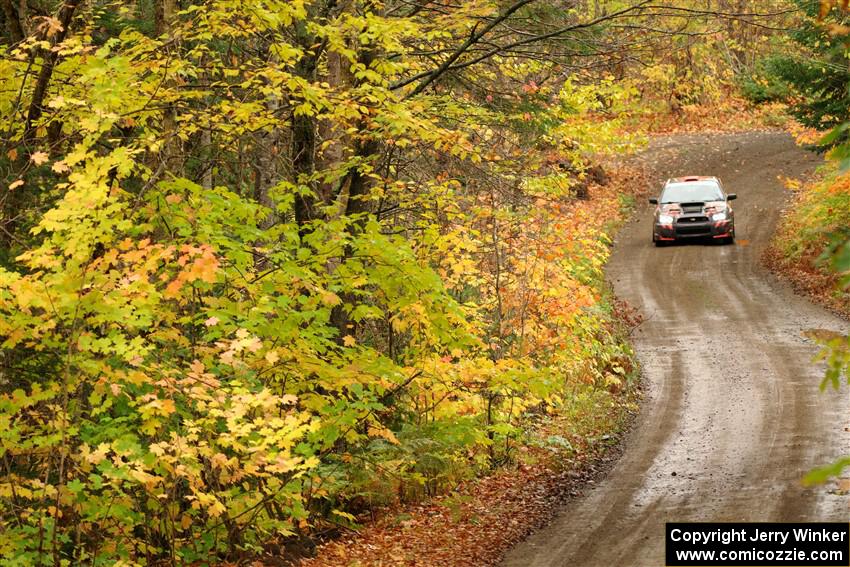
(653, 200)
(731, 197)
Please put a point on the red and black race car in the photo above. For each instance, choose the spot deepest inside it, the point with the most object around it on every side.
(693, 207)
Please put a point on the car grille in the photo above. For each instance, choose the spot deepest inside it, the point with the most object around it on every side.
(687, 220)
(692, 230)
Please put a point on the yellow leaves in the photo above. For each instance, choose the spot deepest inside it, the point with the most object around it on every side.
(15, 184)
(244, 341)
(9, 490)
(144, 477)
(92, 123)
(96, 456)
(136, 378)
(220, 461)
(159, 449)
(209, 502)
(197, 373)
(283, 464)
(345, 515)
(329, 298)
(187, 410)
(153, 410)
(39, 158)
(245, 338)
(26, 293)
(383, 432)
(57, 102)
(78, 155)
(790, 183)
(50, 26)
(163, 407)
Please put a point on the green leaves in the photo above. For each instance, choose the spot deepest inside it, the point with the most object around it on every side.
(254, 277)
(822, 474)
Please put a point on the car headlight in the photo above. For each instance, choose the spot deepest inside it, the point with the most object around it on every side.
(665, 219)
(718, 216)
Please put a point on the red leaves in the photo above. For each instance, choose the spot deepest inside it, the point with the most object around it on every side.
(530, 88)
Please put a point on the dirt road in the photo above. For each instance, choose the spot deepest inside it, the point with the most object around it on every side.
(733, 416)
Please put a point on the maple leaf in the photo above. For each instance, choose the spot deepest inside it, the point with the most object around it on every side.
(15, 184)
(99, 454)
(212, 321)
(348, 340)
(39, 158)
(144, 477)
(52, 25)
(330, 298)
(173, 288)
(204, 268)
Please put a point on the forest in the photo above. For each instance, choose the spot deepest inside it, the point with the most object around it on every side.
(268, 266)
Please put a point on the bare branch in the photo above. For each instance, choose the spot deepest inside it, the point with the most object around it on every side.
(474, 37)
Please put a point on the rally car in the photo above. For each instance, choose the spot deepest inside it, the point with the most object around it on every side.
(693, 207)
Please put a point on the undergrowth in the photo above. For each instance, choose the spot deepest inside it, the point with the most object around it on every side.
(816, 221)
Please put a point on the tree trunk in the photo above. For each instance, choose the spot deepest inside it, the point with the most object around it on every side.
(303, 142)
(15, 202)
(171, 153)
(13, 21)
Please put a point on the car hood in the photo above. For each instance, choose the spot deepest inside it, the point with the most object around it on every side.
(708, 207)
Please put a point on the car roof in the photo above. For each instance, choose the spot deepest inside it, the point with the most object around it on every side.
(688, 178)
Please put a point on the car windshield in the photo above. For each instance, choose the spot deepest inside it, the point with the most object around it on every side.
(691, 191)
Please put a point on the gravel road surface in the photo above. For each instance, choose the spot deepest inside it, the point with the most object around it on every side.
(733, 416)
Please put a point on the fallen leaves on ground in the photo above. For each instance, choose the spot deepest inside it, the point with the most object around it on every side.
(735, 115)
(482, 519)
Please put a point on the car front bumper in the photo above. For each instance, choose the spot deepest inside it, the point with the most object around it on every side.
(679, 230)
